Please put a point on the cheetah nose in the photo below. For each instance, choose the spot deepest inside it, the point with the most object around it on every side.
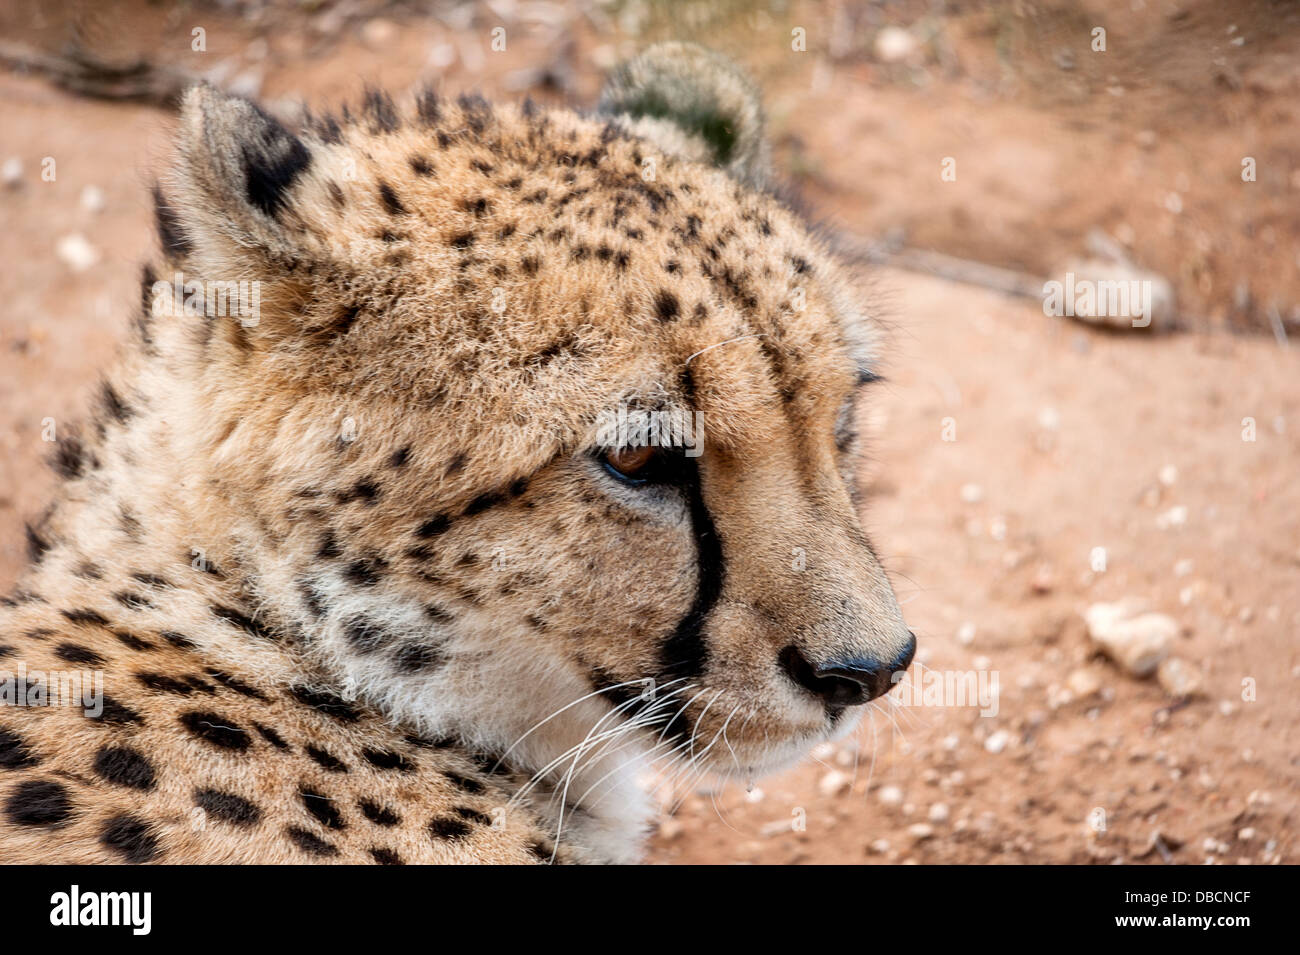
(849, 681)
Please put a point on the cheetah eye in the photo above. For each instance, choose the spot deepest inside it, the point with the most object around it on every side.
(632, 465)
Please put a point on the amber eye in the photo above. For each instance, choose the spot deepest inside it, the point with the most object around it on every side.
(630, 463)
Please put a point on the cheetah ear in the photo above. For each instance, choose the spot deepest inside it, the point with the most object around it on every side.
(692, 102)
(236, 167)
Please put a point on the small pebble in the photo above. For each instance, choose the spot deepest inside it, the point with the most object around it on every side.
(92, 199)
(1179, 678)
(890, 795)
(834, 783)
(76, 252)
(11, 173)
(997, 742)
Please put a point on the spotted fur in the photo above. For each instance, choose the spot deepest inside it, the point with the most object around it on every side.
(358, 585)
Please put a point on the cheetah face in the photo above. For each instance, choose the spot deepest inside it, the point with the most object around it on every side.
(421, 433)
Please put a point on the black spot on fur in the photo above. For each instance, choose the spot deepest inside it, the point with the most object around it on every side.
(415, 657)
(73, 653)
(14, 752)
(483, 502)
(325, 759)
(378, 107)
(366, 571)
(236, 684)
(7, 650)
(112, 404)
(378, 814)
(132, 642)
(151, 580)
(125, 767)
(427, 107)
(38, 802)
(462, 240)
(443, 827)
(227, 807)
(392, 204)
(130, 836)
(309, 843)
(133, 601)
(271, 736)
(477, 110)
(666, 307)
(322, 808)
(364, 490)
(85, 616)
(420, 166)
(273, 158)
(328, 703)
(177, 640)
(386, 759)
(468, 783)
(364, 635)
(215, 729)
(116, 713)
(163, 683)
(243, 621)
(329, 547)
(399, 457)
(69, 458)
(433, 527)
(472, 815)
(171, 235)
(386, 856)
(37, 546)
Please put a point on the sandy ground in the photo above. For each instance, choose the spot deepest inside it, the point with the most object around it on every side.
(1067, 439)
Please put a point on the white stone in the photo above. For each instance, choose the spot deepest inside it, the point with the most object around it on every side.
(939, 812)
(1138, 642)
(76, 252)
(997, 742)
(890, 795)
(1179, 678)
(894, 44)
(11, 173)
(834, 783)
(1174, 517)
(92, 199)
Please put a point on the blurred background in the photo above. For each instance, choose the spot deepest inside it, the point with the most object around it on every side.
(1051, 494)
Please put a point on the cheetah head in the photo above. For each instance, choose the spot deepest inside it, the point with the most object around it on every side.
(542, 434)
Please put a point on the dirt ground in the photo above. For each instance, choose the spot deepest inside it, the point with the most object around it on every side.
(1064, 439)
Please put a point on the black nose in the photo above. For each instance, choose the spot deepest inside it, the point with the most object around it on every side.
(846, 682)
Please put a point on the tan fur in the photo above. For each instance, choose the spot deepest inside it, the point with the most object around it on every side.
(396, 464)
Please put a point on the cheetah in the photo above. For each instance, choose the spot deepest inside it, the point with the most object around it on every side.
(365, 573)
